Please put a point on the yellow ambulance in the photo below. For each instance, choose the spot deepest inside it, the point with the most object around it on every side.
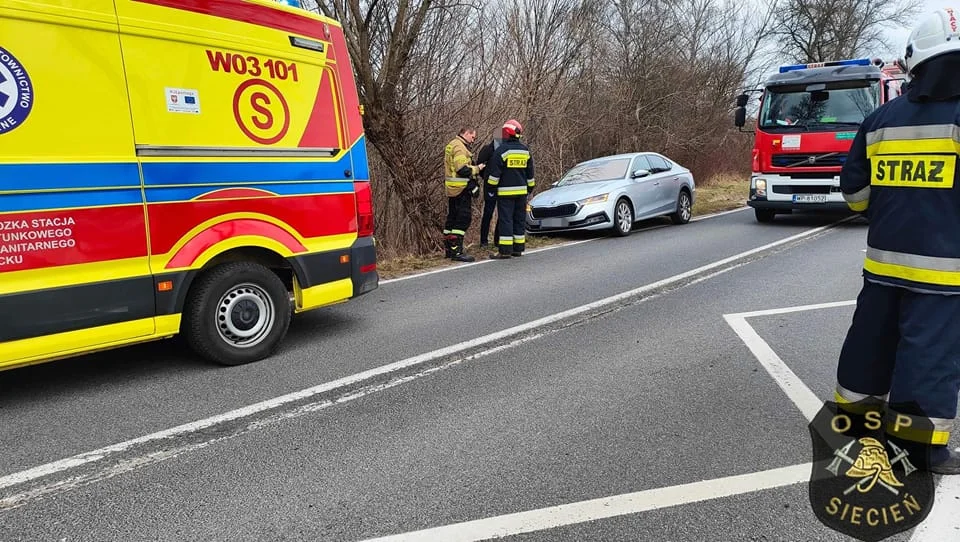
(175, 166)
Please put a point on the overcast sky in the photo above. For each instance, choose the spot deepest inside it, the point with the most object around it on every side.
(898, 37)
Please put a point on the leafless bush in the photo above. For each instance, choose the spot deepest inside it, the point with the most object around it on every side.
(586, 78)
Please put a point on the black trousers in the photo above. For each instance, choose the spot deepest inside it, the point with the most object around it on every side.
(512, 224)
(904, 347)
(489, 206)
(459, 214)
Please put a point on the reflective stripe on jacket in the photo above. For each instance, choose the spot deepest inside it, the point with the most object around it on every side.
(511, 170)
(902, 174)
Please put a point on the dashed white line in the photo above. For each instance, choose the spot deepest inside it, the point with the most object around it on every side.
(270, 404)
(607, 507)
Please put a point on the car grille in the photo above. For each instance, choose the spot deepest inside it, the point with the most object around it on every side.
(553, 212)
(784, 160)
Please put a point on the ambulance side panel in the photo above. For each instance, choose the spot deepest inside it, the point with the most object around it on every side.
(74, 268)
(240, 132)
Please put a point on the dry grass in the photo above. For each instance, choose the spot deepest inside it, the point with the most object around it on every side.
(720, 193)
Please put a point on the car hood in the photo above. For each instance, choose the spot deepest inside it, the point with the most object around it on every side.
(570, 194)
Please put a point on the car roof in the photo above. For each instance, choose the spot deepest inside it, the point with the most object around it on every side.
(622, 155)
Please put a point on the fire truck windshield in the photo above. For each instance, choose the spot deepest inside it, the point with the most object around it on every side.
(787, 108)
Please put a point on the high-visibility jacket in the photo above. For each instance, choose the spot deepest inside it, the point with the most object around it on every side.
(902, 174)
(511, 170)
(458, 167)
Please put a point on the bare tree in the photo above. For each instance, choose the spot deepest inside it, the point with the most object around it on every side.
(822, 30)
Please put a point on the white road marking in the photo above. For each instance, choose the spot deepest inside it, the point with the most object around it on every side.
(608, 507)
(943, 523)
(68, 463)
(786, 310)
(543, 249)
(798, 392)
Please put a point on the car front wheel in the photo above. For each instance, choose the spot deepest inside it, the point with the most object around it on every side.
(623, 218)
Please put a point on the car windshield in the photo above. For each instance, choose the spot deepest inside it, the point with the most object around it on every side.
(803, 109)
(591, 172)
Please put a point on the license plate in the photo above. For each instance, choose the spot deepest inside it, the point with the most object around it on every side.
(809, 198)
(551, 223)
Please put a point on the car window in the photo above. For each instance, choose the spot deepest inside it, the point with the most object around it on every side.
(640, 162)
(659, 163)
(602, 170)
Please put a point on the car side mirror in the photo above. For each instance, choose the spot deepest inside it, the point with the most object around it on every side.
(741, 117)
(742, 100)
(640, 173)
(554, 184)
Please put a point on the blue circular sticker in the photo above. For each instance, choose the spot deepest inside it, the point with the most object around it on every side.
(16, 92)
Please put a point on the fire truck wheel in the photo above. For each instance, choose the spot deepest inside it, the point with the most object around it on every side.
(236, 313)
(765, 215)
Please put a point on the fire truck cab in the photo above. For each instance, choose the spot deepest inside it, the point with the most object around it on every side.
(808, 116)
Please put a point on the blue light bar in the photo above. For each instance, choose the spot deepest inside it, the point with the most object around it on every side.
(854, 62)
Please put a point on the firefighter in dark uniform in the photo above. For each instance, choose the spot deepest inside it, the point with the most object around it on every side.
(489, 195)
(511, 178)
(902, 351)
(461, 185)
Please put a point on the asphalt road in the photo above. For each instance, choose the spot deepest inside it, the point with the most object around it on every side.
(600, 370)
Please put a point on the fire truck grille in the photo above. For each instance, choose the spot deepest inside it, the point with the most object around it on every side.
(809, 160)
(553, 212)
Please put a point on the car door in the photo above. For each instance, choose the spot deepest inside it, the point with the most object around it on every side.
(642, 190)
(667, 184)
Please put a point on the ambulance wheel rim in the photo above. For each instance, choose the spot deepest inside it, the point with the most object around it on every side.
(624, 216)
(245, 315)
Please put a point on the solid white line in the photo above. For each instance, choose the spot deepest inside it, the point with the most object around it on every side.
(99, 454)
(608, 507)
(721, 213)
(798, 392)
(943, 523)
(785, 310)
(452, 267)
(542, 249)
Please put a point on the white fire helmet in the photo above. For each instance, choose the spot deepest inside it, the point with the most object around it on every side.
(936, 33)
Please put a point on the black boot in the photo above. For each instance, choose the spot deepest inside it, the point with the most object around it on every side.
(945, 462)
(448, 241)
(458, 255)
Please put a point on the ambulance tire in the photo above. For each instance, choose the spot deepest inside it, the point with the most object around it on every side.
(237, 313)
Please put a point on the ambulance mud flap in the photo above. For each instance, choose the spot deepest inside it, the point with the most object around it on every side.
(357, 263)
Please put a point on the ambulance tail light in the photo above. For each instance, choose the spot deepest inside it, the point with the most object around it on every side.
(364, 209)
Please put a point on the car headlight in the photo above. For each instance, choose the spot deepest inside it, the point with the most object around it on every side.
(529, 208)
(594, 199)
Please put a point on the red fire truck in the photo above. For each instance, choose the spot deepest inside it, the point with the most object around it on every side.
(808, 117)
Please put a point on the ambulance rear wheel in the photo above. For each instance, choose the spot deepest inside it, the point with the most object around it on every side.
(237, 313)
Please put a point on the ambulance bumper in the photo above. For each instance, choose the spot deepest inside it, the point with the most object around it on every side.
(357, 263)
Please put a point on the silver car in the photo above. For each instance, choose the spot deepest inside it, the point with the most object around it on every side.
(613, 192)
